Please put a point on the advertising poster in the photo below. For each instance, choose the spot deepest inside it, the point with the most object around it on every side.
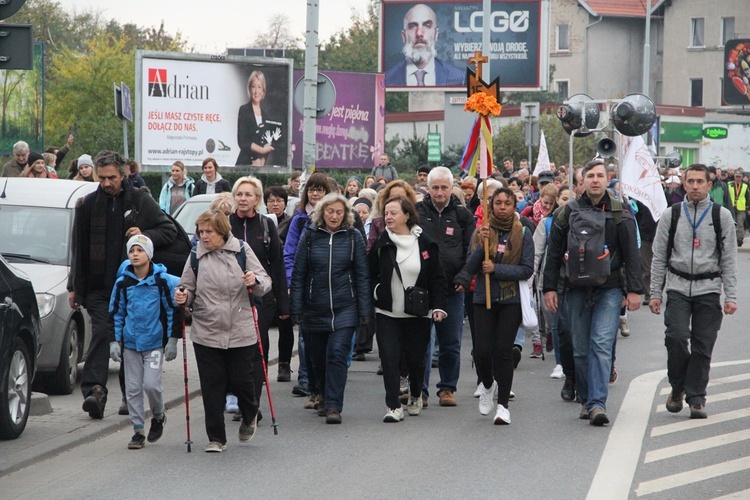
(351, 134)
(428, 44)
(235, 110)
(737, 72)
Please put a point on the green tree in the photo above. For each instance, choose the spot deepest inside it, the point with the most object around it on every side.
(354, 48)
(277, 35)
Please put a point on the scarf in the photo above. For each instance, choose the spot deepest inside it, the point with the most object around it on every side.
(513, 247)
(538, 211)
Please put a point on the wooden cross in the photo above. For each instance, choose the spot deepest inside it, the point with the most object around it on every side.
(478, 60)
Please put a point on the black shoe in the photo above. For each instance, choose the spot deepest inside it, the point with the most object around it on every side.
(285, 373)
(95, 402)
(301, 389)
(435, 363)
(549, 346)
(123, 409)
(568, 392)
(380, 370)
(360, 356)
(157, 428)
(260, 417)
(237, 417)
(137, 442)
(516, 356)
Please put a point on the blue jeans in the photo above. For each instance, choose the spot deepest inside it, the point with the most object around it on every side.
(302, 370)
(594, 318)
(552, 319)
(449, 333)
(329, 353)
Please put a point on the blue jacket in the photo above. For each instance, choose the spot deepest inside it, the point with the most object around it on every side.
(142, 309)
(165, 197)
(299, 221)
(331, 280)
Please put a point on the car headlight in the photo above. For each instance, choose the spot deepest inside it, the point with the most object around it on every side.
(46, 303)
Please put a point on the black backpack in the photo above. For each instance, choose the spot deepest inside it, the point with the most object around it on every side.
(175, 254)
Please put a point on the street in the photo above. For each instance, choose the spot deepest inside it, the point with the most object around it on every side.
(547, 452)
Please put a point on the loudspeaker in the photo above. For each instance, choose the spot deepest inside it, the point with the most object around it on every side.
(674, 159)
(606, 148)
(578, 113)
(634, 115)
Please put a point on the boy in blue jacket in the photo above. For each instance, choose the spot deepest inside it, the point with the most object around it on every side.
(142, 313)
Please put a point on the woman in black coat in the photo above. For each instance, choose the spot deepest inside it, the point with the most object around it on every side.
(404, 257)
(211, 181)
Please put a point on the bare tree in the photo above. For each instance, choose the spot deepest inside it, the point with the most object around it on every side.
(277, 36)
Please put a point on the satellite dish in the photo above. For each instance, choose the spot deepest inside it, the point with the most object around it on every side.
(634, 115)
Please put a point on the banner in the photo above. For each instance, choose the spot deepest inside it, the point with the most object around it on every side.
(736, 81)
(428, 44)
(542, 160)
(235, 110)
(640, 176)
(351, 134)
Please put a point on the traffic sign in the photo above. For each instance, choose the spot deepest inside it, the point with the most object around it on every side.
(16, 46)
(434, 152)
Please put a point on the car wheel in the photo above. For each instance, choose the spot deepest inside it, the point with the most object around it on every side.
(64, 379)
(15, 392)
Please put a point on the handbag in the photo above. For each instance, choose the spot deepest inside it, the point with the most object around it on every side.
(528, 315)
(416, 299)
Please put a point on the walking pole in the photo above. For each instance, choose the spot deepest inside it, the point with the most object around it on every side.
(263, 362)
(189, 442)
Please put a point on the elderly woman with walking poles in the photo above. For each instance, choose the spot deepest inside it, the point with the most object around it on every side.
(215, 285)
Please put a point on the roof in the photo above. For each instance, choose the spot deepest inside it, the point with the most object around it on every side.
(619, 8)
(48, 193)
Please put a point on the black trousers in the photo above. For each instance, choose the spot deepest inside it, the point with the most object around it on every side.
(469, 308)
(219, 369)
(96, 367)
(695, 320)
(402, 337)
(496, 330)
(565, 340)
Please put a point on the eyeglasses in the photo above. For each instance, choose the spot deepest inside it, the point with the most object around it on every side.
(318, 190)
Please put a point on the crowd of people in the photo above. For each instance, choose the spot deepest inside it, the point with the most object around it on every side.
(402, 263)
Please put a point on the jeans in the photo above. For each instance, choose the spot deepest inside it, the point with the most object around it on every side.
(399, 338)
(329, 352)
(688, 366)
(496, 330)
(594, 318)
(449, 332)
(551, 318)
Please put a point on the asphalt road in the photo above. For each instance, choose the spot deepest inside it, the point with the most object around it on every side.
(547, 452)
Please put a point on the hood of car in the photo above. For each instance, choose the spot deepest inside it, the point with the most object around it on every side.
(44, 277)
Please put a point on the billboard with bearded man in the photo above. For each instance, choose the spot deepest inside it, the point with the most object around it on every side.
(427, 45)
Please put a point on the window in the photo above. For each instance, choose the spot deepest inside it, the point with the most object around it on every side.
(563, 38)
(696, 32)
(562, 89)
(727, 29)
(696, 92)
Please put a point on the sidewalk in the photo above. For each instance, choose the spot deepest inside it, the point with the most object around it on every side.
(68, 426)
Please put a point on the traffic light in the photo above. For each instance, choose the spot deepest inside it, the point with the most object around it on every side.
(16, 40)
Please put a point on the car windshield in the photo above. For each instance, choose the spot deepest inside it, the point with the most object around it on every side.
(189, 212)
(35, 234)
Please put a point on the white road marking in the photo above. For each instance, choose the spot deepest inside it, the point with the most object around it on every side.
(689, 424)
(693, 476)
(699, 445)
(719, 381)
(737, 495)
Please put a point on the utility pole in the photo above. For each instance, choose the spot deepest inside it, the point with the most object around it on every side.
(309, 143)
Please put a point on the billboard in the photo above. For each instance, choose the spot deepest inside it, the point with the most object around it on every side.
(236, 110)
(351, 134)
(736, 88)
(428, 44)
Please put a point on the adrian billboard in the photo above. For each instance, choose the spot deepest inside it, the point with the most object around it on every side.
(236, 110)
(428, 44)
(736, 89)
(350, 134)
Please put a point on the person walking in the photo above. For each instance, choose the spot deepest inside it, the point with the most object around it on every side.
(693, 262)
(404, 258)
(223, 330)
(384, 169)
(211, 181)
(177, 190)
(143, 316)
(740, 197)
(331, 296)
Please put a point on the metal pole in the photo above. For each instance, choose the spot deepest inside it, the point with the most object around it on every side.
(570, 161)
(647, 51)
(486, 13)
(125, 137)
(309, 143)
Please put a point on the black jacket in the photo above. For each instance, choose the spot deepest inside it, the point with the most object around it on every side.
(222, 186)
(382, 258)
(451, 229)
(621, 239)
(330, 286)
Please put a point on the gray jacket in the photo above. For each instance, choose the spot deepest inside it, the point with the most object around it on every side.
(687, 258)
(222, 314)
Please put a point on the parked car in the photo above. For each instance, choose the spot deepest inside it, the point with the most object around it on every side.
(187, 213)
(19, 330)
(37, 220)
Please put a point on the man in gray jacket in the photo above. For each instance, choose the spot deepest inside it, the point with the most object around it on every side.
(696, 269)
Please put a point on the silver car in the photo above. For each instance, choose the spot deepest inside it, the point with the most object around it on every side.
(36, 221)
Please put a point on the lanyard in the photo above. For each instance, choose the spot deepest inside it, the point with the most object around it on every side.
(703, 215)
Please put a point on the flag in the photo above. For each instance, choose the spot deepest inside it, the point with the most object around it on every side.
(470, 161)
(640, 177)
(542, 161)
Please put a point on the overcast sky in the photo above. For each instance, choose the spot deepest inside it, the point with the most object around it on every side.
(210, 26)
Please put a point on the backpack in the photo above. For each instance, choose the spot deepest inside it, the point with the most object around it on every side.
(240, 256)
(716, 219)
(174, 255)
(588, 258)
(165, 296)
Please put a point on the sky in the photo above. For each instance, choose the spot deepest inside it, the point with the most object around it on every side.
(212, 26)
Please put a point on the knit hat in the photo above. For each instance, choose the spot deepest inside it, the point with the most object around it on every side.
(85, 160)
(424, 168)
(33, 157)
(144, 242)
(363, 201)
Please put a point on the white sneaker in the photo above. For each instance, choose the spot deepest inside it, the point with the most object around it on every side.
(624, 329)
(557, 372)
(396, 415)
(414, 407)
(231, 406)
(403, 385)
(478, 392)
(502, 417)
(512, 395)
(485, 399)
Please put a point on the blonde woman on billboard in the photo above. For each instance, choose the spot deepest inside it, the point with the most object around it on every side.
(254, 139)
